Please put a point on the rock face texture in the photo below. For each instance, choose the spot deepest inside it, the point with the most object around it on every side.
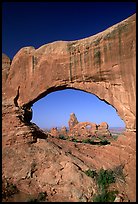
(6, 63)
(63, 131)
(103, 130)
(99, 64)
(104, 65)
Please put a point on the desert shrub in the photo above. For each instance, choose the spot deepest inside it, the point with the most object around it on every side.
(91, 173)
(9, 189)
(104, 178)
(62, 137)
(31, 200)
(74, 140)
(41, 197)
(115, 136)
(90, 141)
(12, 188)
(104, 142)
(106, 196)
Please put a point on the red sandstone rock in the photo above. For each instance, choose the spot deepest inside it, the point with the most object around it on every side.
(6, 62)
(83, 130)
(103, 130)
(103, 126)
(63, 131)
(72, 121)
(54, 132)
(100, 65)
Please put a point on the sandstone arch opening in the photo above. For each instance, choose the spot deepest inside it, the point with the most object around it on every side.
(54, 109)
(79, 65)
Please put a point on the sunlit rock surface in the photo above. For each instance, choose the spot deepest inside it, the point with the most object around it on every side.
(103, 64)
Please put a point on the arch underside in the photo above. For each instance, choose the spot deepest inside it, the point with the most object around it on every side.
(88, 88)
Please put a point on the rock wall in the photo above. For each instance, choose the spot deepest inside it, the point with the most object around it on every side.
(103, 64)
(99, 64)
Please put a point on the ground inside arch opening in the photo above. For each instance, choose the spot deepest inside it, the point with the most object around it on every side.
(77, 116)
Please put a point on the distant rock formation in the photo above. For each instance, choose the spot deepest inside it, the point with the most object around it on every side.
(103, 126)
(81, 130)
(103, 130)
(54, 132)
(84, 130)
(63, 131)
(72, 121)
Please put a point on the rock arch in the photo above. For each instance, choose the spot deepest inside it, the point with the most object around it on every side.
(45, 98)
(103, 64)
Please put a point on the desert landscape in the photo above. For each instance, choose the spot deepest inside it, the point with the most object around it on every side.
(88, 162)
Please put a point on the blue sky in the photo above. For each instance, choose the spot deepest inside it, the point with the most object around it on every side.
(39, 23)
(58, 105)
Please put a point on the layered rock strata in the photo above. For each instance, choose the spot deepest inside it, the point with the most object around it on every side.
(99, 64)
(104, 65)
